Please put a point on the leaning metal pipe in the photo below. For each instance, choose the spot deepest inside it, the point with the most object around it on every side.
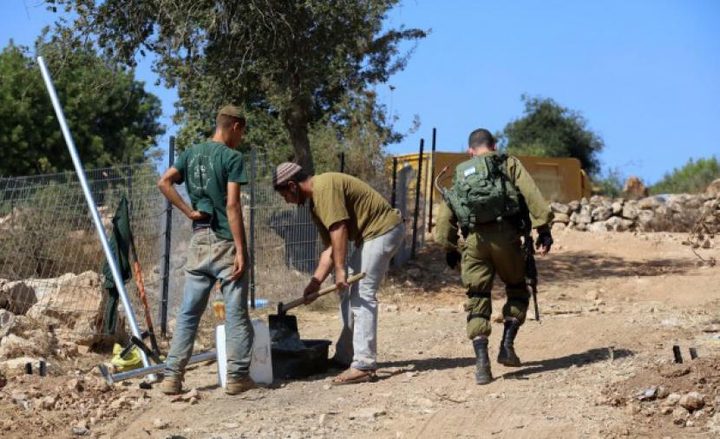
(114, 378)
(119, 284)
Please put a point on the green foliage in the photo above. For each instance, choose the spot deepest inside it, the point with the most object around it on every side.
(548, 129)
(112, 118)
(693, 177)
(610, 184)
(290, 63)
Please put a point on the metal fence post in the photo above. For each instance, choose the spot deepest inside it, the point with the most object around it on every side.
(394, 183)
(97, 220)
(418, 182)
(166, 255)
(432, 179)
(251, 241)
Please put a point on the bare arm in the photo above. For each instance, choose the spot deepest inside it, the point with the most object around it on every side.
(166, 184)
(325, 265)
(235, 219)
(338, 240)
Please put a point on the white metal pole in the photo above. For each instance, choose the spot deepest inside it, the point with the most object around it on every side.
(119, 284)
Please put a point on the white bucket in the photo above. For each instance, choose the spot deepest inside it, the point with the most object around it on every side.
(261, 361)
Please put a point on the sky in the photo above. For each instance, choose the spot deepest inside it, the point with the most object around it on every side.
(644, 73)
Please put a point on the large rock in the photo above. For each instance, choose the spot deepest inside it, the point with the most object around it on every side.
(16, 297)
(617, 224)
(581, 218)
(634, 188)
(713, 188)
(649, 203)
(601, 213)
(574, 206)
(560, 208)
(617, 207)
(692, 401)
(645, 219)
(597, 227)
(561, 218)
(74, 306)
(630, 211)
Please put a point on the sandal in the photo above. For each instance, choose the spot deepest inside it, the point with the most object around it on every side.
(355, 376)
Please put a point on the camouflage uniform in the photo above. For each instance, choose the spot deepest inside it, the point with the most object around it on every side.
(494, 248)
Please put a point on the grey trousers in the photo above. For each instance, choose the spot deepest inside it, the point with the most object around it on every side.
(357, 344)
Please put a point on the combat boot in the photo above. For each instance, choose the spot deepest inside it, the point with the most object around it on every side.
(483, 375)
(507, 355)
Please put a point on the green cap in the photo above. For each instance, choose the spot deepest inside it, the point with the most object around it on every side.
(232, 111)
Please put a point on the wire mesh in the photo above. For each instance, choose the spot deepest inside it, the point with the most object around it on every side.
(51, 257)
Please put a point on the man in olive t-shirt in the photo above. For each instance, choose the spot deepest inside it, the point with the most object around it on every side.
(213, 173)
(346, 208)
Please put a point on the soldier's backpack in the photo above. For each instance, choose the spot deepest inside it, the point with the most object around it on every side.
(482, 192)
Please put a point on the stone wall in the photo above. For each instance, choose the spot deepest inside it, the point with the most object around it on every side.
(661, 213)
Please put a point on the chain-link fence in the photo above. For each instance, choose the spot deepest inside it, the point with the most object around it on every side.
(51, 257)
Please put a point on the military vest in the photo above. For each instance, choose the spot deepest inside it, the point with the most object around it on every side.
(482, 192)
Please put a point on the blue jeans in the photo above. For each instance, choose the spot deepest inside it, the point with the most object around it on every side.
(357, 344)
(211, 259)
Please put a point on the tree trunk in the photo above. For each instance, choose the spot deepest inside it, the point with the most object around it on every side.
(297, 121)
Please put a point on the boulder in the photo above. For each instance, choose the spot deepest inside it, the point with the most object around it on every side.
(561, 218)
(560, 208)
(645, 219)
(713, 188)
(617, 207)
(581, 218)
(601, 213)
(617, 224)
(634, 188)
(74, 307)
(16, 297)
(597, 227)
(574, 206)
(630, 210)
(649, 203)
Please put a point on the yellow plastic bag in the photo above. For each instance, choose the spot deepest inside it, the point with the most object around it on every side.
(121, 365)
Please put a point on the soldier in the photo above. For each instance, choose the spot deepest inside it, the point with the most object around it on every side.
(488, 203)
(213, 172)
(345, 208)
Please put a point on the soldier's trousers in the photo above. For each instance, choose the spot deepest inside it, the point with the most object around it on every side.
(493, 248)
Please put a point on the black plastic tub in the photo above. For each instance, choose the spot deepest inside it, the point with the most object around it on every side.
(290, 364)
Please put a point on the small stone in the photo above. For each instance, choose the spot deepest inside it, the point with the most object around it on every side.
(76, 384)
(662, 392)
(592, 295)
(321, 419)
(632, 409)
(160, 424)
(367, 413)
(692, 401)
(647, 394)
(193, 393)
(680, 415)
(48, 403)
(327, 387)
(80, 430)
(666, 410)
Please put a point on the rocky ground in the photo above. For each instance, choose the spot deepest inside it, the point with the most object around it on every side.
(599, 365)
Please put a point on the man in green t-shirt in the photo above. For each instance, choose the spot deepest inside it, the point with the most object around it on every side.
(345, 208)
(213, 172)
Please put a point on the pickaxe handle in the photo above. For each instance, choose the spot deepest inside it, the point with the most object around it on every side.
(285, 307)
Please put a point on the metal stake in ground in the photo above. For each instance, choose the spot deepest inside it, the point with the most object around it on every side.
(91, 205)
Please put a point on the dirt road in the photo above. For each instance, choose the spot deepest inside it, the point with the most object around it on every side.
(613, 306)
